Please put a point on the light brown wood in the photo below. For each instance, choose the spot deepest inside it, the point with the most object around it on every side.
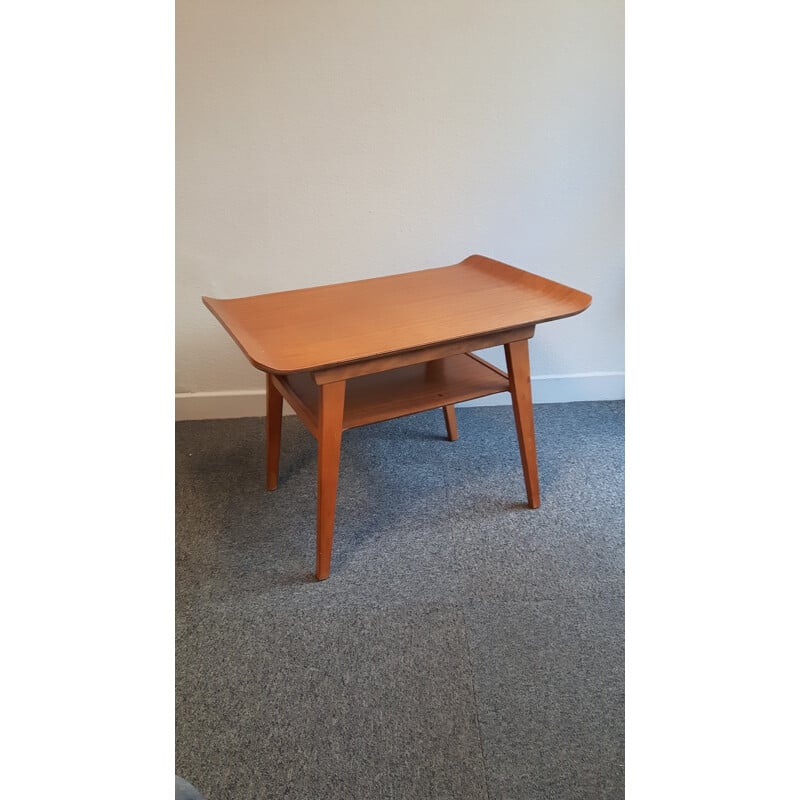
(435, 371)
(306, 330)
(492, 366)
(305, 405)
(398, 392)
(423, 355)
(329, 443)
(355, 353)
(519, 373)
(274, 423)
(450, 422)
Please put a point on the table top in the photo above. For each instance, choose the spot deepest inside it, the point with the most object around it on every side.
(303, 330)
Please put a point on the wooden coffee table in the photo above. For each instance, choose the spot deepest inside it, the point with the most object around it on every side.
(351, 354)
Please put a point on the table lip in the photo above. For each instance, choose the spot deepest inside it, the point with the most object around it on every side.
(210, 301)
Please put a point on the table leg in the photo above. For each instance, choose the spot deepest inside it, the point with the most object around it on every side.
(329, 441)
(519, 374)
(450, 422)
(274, 422)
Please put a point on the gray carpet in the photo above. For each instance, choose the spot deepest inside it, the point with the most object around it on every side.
(464, 646)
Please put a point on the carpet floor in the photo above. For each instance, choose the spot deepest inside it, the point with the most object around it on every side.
(464, 646)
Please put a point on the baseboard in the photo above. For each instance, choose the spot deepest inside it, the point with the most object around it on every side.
(222, 405)
(546, 389)
(584, 386)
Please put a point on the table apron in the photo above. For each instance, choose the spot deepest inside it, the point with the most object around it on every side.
(429, 353)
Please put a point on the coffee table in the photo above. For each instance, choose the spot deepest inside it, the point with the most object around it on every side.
(350, 354)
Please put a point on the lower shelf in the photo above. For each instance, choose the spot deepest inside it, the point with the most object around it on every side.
(399, 392)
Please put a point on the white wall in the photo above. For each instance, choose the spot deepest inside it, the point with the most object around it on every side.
(321, 141)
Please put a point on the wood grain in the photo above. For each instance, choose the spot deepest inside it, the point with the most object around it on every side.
(309, 329)
(305, 405)
(274, 424)
(421, 355)
(398, 392)
(329, 444)
(519, 372)
(450, 422)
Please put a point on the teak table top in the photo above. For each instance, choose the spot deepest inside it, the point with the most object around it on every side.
(310, 329)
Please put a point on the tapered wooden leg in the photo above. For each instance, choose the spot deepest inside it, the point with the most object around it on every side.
(329, 442)
(519, 373)
(274, 422)
(450, 422)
